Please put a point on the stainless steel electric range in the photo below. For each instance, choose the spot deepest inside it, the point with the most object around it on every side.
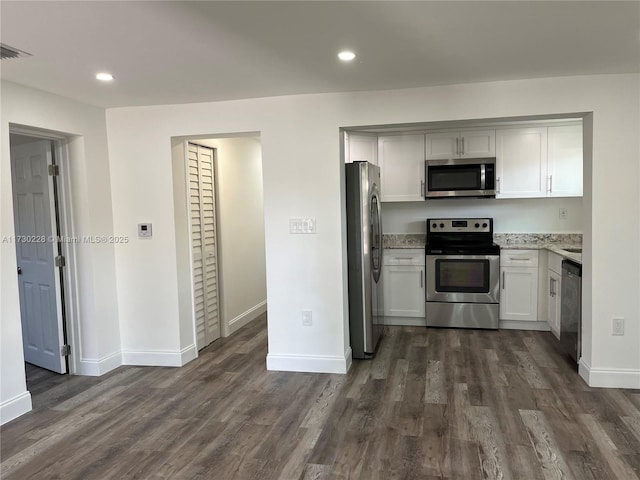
(462, 273)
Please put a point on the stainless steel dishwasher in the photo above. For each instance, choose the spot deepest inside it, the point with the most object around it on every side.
(571, 309)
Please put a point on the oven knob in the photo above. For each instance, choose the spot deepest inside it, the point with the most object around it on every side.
(442, 225)
(484, 225)
(477, 225)
(434, 225)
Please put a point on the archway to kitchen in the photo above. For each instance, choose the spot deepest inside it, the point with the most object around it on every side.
(220, 248)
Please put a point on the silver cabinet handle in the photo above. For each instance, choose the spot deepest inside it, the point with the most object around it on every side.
(550, 183)
(422, 192)
(498, 185)
(462, 146)
(503, 282)
(421, 278)
(403, 258)
(457, 146)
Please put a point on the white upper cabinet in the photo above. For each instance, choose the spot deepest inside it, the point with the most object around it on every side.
(478, 143)
(401, 161)
(362, 148)
(565, 161)
(442, 145)
(460, 144)
(521, 162)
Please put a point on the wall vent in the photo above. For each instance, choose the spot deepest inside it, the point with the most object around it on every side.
(7, 52)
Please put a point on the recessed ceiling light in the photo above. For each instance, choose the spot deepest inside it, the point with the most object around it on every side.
(104, 77)
(346, 56)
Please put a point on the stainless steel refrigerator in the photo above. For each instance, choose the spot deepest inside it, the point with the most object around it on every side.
(364, 251)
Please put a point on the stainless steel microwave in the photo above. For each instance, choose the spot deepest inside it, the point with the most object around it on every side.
(460, 177)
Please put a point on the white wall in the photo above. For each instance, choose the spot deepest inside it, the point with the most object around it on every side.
(510, 215)
(302, 273)
(88, 185)
(240, 219)
(302, 177)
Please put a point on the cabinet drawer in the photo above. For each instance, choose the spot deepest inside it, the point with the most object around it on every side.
(413, 256)
(555, 262)
(519, 258)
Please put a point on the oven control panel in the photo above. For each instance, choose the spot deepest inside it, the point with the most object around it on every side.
(460, 225)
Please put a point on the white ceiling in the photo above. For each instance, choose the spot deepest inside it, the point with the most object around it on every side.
(180, 52)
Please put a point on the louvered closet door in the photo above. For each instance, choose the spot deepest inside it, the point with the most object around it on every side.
(204, 247)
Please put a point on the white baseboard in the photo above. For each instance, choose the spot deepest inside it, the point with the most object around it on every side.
(406, 321)
(608, 377)
(524, 325)
(14, 407)
(349, 358)
(160, 358)
(96, 367)
(309, 363)
(244, 318)
(189, 353)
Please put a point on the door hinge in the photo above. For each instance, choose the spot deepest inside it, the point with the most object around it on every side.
(60, 261)
(54, 170)
(65, 350)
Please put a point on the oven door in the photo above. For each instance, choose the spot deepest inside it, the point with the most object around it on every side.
(463, 278)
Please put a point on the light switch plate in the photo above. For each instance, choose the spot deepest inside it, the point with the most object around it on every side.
(305, 225)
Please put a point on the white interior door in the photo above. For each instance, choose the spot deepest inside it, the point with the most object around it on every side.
(203, 244)
(38, 279)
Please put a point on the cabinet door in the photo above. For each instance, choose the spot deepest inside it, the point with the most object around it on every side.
(565, 161)
(553, 301)
(363, 148)
(521, 158)
(403, 291)
(478, 143)
(442, 145)
(519, 294)
(401, 160)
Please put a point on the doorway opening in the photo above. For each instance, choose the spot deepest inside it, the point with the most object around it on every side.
(41, 203)
(219, 217)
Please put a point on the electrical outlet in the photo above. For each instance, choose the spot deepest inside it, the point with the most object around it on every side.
(307, 319)
(618, 326)
(562, 213)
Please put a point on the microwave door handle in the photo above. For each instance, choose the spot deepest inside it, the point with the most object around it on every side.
(483, 177)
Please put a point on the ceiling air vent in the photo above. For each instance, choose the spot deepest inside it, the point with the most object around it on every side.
(9, 52)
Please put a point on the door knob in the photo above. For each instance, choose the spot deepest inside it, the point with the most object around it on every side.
(19, 270)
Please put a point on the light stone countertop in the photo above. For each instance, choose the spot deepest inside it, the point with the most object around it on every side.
(515, 241)
(558, 248)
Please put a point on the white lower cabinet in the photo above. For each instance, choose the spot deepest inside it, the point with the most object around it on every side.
(554, 284)
(403, 285)
(519, 285)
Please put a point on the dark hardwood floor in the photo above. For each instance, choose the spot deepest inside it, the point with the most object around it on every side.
(434, 403)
